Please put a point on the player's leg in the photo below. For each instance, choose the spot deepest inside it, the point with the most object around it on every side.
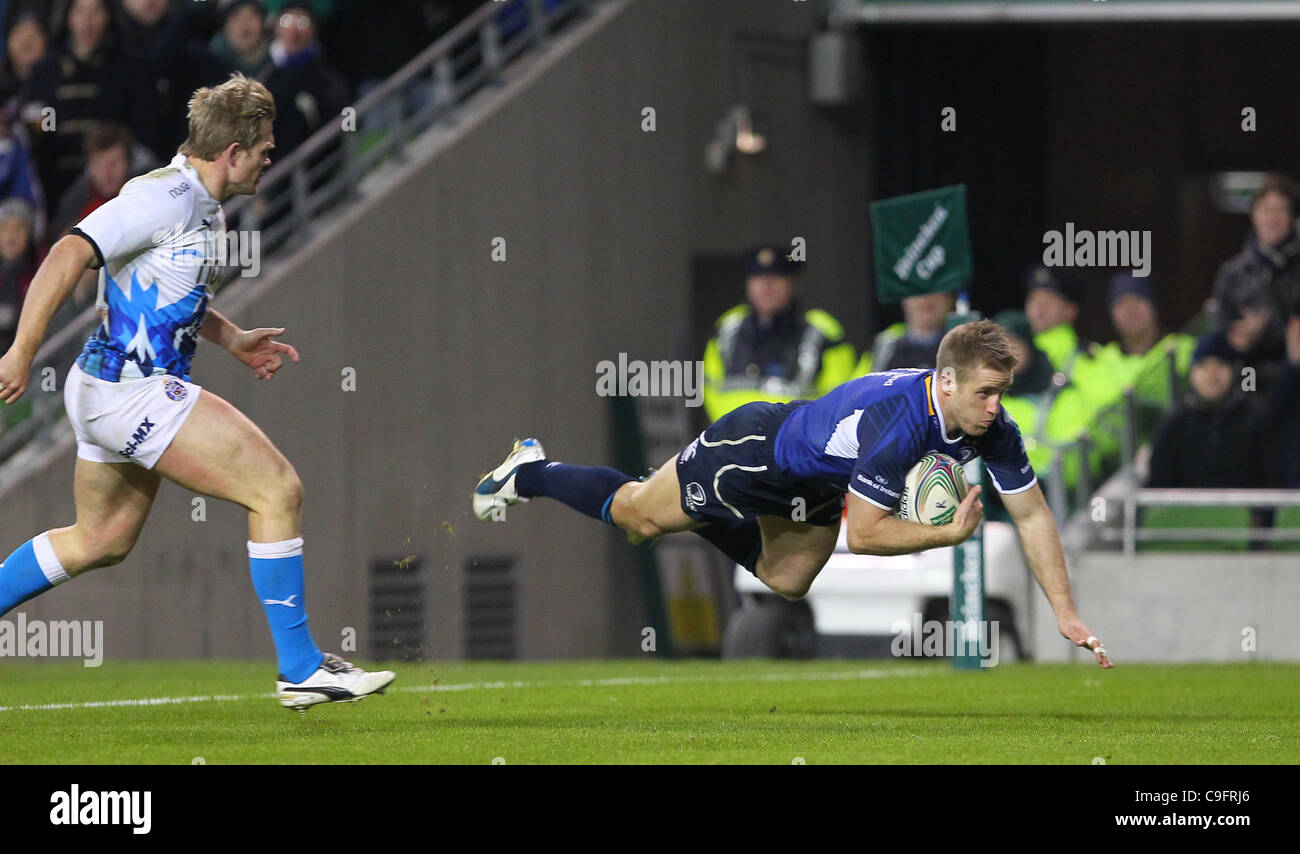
(643, 509)
(218, 451)
(652, 507)
(793, 553)
(112, 501)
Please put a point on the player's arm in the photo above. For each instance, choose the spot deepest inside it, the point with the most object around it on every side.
(1042, 544)
(53, 282)
(219, 329)
(873, 531)
(134, 220)
(256, 348)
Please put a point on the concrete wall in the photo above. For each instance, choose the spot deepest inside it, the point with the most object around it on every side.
(454, 354)
(1180, 607)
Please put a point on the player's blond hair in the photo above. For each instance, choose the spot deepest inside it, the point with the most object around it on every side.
(231, 112)
(971, 346)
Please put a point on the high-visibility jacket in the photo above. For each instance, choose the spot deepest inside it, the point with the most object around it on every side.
(1148, 374)
(803, 355)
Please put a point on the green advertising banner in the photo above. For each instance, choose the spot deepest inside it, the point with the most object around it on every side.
(922, 243)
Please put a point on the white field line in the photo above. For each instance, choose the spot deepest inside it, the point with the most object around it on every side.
(612, 682)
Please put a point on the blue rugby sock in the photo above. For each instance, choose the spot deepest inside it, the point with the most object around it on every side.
(278, 580)
(587, 489)
(739, 539)
(32, 569)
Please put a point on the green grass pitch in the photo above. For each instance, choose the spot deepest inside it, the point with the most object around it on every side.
(648, 711)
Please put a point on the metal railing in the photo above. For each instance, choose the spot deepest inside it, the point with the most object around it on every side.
(1123, 485)
(326, 170)
(1254, 499)
(1122, 415)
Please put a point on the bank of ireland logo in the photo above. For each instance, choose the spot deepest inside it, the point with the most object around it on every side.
(690, 451)
(694, 496)
(175, 390)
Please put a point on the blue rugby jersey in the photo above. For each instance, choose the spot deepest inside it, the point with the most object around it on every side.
(866, 434)
(159, 244)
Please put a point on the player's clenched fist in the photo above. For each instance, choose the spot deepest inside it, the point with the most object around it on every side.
(14, 371)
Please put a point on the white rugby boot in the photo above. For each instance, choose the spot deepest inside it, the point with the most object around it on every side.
(496, 491)
(335, 681)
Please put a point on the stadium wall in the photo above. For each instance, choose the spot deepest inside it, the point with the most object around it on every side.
(453, 354)
(1181, 607)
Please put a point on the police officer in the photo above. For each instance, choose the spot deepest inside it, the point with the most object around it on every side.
(770, 347)
(914, 343)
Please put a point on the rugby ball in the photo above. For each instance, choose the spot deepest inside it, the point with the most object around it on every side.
(932, 491)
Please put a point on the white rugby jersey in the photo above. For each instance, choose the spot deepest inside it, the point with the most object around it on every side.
(158, 244)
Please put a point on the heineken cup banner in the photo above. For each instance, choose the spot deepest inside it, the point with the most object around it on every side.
(922, 243)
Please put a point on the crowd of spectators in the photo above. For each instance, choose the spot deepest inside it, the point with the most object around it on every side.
(95, 92)
(1245, 379)
(1211, 421)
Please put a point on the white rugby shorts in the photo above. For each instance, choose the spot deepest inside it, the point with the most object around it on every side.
(132, 420)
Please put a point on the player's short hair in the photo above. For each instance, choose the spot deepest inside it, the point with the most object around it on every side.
(971, 346)
(231, 112)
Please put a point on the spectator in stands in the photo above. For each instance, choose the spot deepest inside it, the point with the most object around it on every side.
(1285, 404)
(243, 42)
(1218, 438)
(1049, 409)
(18, 263)
(1254, 290)
(770, 347)
(914, 343)
(308, 91)
(86, 79)
(321, 10)
(25, 46)
(1139, 357)
(1033, 373)
(112, 158)
(166, 40)
(45, 11)
(18, 176)
(370, 40)
(1052, 299)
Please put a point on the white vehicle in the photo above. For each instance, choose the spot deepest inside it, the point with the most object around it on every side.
(860, 603)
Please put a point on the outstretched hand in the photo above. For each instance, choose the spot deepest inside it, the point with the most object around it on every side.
(258, 349)
(1072, 628)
